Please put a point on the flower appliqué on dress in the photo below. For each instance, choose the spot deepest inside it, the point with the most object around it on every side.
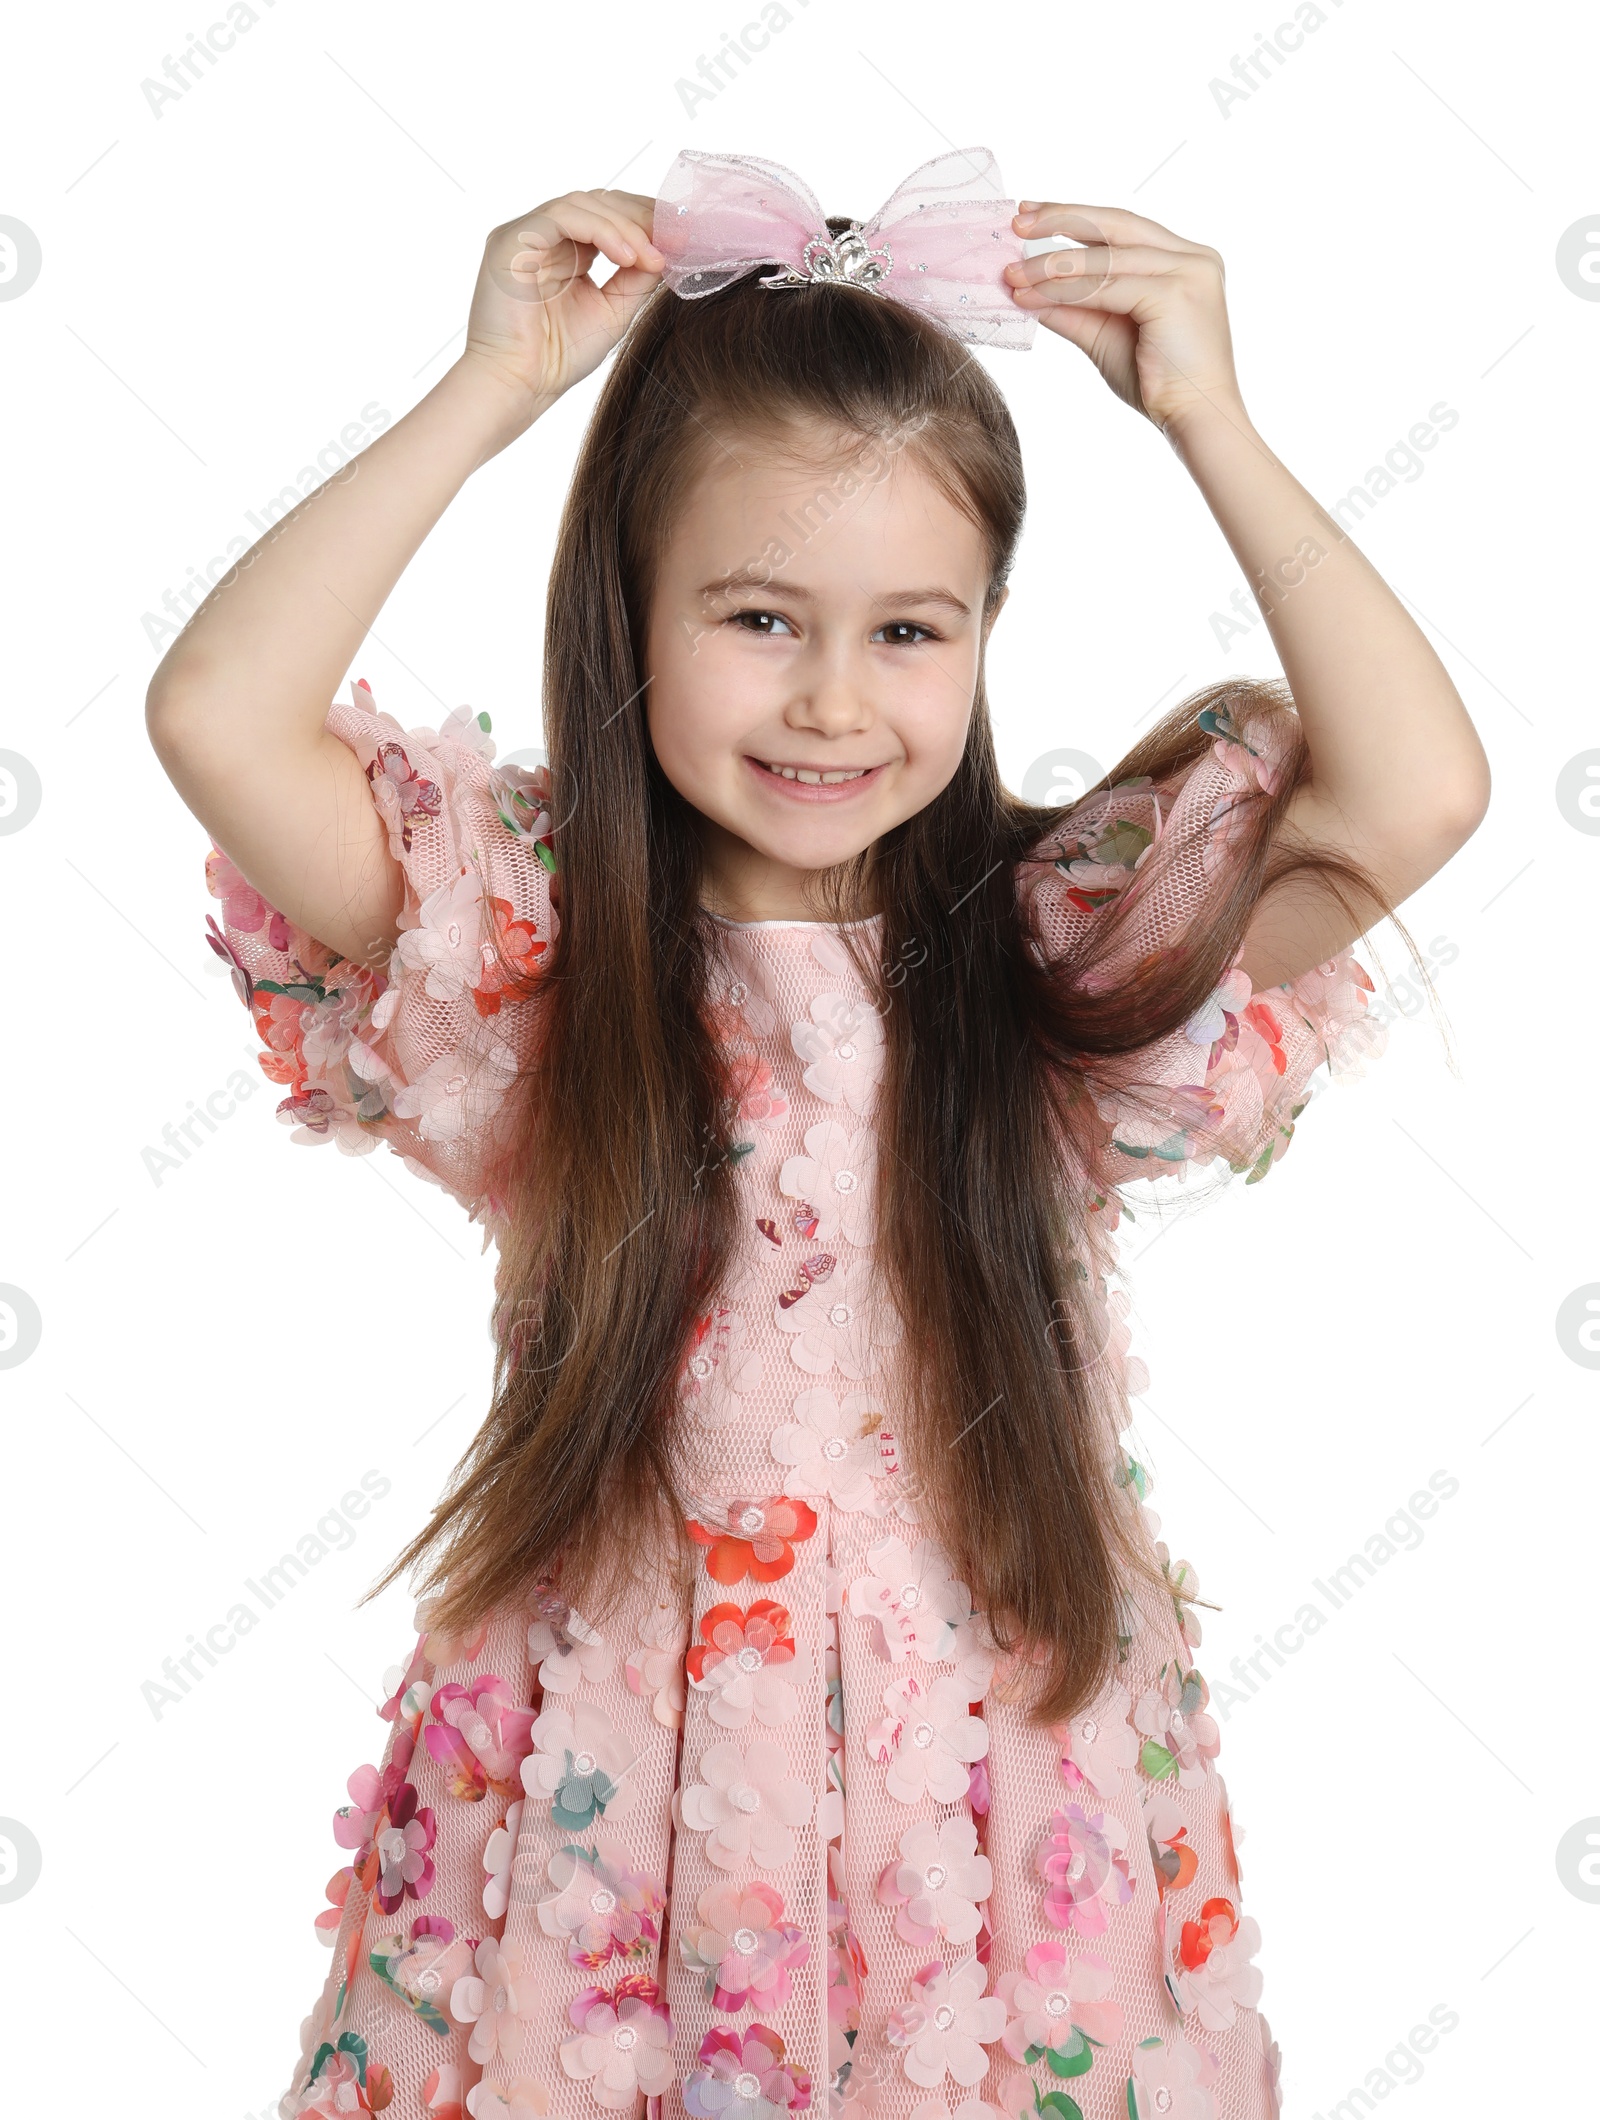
(579, 1765)
(752, 1538)
(745, 2076)
(938, 1883)
(623, 2045)
(479, 1736)
(1083, 1863)
(1063, 2009)
(747, 1804)
(423, 1967)
(927, 1740)
(604, 1907)
(747, 1664)
(838, 1174)
(947, 2023)
(744, 1946)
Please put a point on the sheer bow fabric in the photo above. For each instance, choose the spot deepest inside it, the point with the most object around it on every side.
(940, 243)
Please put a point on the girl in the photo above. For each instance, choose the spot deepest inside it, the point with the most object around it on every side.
(804, 1714)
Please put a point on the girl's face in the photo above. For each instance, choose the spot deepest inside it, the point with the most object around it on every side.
(811, 621)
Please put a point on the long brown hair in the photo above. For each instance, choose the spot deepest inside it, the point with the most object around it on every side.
(622, 1196)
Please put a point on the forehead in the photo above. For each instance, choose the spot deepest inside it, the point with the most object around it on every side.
(846, 512)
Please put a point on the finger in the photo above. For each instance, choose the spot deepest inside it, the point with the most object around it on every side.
(1087, 328)
(1094, 261)
(542, 241)
(1108, 297)
(627, 288)
(630, 205)
(629, 211)
(1111, 224)
(551, 272)
(579, 223)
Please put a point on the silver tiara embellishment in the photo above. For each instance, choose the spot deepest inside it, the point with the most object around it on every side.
(844, 257)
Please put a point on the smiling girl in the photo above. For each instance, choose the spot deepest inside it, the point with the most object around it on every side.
(804, 1712)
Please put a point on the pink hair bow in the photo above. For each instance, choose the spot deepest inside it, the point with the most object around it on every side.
(939, 244)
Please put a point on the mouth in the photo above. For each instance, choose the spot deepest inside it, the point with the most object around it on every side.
(812, 783)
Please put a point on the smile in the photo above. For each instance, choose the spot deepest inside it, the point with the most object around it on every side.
(813, 783)
(810, 773)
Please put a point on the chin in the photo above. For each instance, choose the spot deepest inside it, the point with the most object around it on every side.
(806, 855)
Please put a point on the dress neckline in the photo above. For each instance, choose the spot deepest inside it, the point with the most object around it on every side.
(831, 926)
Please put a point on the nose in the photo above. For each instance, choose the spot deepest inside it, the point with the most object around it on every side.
(832, 693)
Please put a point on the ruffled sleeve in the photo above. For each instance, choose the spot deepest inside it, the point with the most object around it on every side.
(422, 1052)
(1232, 1081)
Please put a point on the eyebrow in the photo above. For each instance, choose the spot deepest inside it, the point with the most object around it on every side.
(729, 584)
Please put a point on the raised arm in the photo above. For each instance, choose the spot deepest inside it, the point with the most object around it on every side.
(236, 709)
(1398, 779)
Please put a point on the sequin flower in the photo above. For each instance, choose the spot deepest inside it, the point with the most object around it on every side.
(401, 1844)
(1099, 1746)
(355, 1823)
(623, 2045)
(747, 1805)
(526, 2098)
(1062, 2009)
(1180, 1737)
(936, 1884)
(441, 1648)
(422, 1968)
(343, 2080)
(745, 2076)
(479, 1735)
(1217, 1979)
(754, 1538)
(838, 1174)
(579, 1764)
(927, 1740)
(445, 944)
(499, 1854)
(744, 1946)
(1170, 2081)
(912, 1595)
(831, 1447)
(842, 1046)
(568, 1652)
(945, 2026)
(604, 1907)
(745, 1663)
(496, 2000)
(400, 793)
(1104, 863)
(845, 1322)
(1174, 1861)
(721, 1366)
(654, 1669)
(1084, 1865)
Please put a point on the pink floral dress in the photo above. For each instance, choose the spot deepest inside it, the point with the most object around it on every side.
(783, 1840)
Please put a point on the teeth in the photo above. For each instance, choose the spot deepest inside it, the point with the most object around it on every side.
(814, 779)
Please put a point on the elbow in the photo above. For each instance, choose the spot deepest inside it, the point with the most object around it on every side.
(161, 715)
(1437, 831)
(1463, 807)
(1444, 802)
(175, 720)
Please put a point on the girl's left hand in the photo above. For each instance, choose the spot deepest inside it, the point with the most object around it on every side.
(1146, 306)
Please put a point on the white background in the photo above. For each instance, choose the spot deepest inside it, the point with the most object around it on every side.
(224, 287)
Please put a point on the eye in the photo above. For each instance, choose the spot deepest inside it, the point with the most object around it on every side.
(766, 623)
(899, 633)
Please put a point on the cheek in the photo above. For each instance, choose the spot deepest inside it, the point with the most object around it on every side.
(933, 709)
(703, 698)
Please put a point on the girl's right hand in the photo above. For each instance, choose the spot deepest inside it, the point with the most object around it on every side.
(538, 322)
